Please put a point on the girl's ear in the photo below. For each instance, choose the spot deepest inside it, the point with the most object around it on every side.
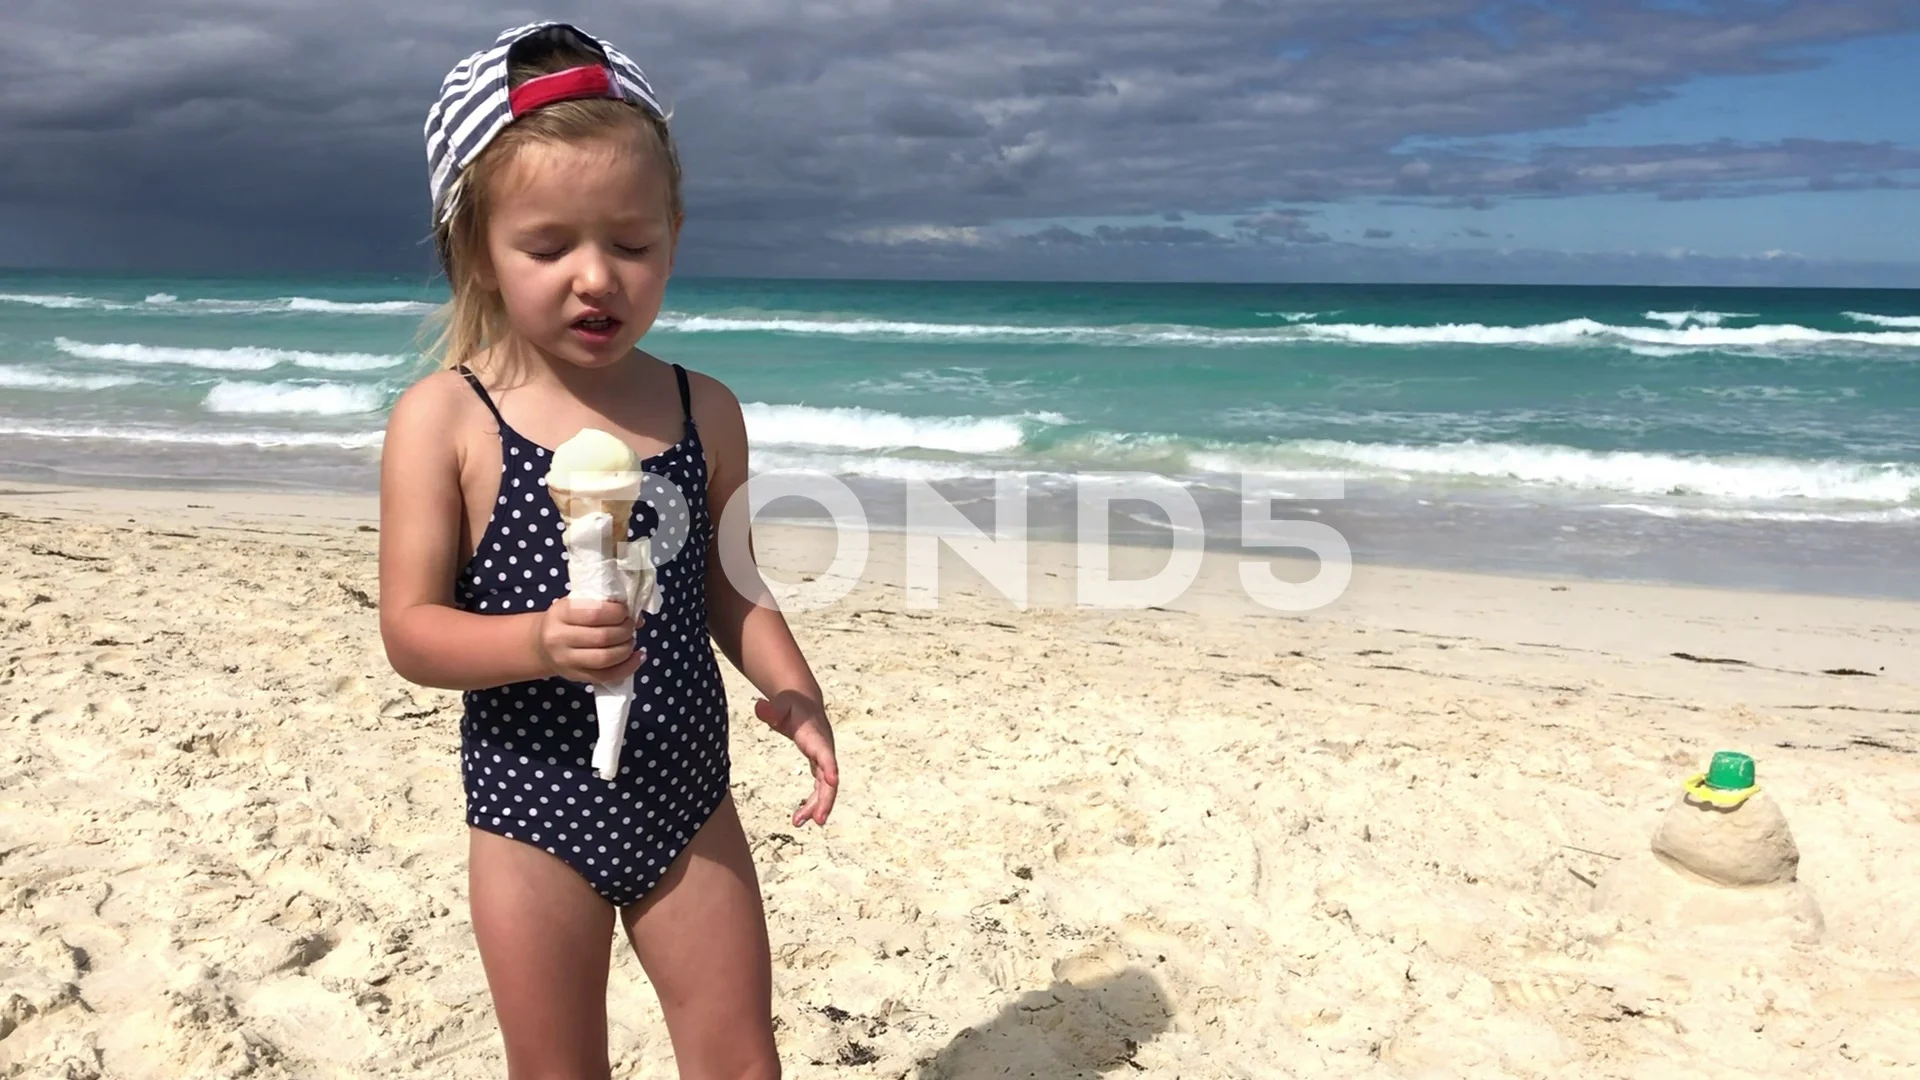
(483, 274)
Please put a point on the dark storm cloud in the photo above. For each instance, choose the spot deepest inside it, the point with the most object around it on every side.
(847, 137)
(1073, 254)
(1286, 226)
(1719, 169)
(930, 120)
(1040, 81)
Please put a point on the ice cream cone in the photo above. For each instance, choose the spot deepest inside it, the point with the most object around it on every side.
(575, 504)
(595, 482)
(594, 472)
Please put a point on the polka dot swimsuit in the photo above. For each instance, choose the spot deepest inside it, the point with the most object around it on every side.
(526, 748)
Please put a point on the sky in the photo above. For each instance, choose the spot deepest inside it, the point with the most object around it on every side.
(1738, 142)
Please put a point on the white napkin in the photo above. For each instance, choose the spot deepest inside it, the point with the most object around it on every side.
(591, 576)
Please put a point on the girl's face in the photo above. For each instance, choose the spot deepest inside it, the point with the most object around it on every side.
(580, 246)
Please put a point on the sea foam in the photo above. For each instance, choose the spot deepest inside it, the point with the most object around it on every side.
(286, 398)
(1910, 322)
(15, 378)
(239, 358)
(1688, 333)
(168, 303)
(1635, 472)
(872, 429)
(1678, 319)
(350, 440)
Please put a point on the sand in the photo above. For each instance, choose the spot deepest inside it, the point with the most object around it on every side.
(1206, 841)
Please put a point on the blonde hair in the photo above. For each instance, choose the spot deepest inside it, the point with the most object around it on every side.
(474, 319)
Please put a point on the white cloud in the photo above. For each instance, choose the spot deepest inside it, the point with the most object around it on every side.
(895, 235)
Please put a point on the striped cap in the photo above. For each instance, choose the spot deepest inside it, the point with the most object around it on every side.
(475, 102)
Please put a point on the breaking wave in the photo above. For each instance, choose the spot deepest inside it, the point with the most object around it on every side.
(241, 358)
(1634, 472)
(351, 440)
(286, 398)
(15, 378)
(1911, 322)
(1570, 332)
(1678, 319)
(162, 303)
(855, 428)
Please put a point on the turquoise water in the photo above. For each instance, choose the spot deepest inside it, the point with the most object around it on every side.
(1764, 407)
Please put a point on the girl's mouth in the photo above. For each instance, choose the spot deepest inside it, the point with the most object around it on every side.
(597, 329)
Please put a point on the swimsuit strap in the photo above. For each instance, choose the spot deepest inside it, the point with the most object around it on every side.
(679, 373)
(474, 381)
(686, 396)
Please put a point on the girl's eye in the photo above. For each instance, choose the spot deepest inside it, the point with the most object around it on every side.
(554, 253)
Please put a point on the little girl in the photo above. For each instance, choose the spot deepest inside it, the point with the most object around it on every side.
(557, 207)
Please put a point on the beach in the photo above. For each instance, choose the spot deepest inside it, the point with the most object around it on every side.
(1207, 840)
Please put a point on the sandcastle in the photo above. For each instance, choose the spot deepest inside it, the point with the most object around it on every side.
(1722, 858)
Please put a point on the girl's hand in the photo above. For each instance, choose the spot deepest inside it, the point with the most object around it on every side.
(803, 720)
(588, 642)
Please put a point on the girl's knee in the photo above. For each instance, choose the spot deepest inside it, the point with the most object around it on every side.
(558, 1070)
(753, 1058)
(768, 1069)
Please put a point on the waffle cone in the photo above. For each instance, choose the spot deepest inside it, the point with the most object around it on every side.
(575, 505)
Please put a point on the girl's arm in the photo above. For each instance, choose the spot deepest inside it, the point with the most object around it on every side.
(743, 617)
(428, 640)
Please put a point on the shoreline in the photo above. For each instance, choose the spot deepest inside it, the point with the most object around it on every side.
(1721, 643)
(276, 501)
(1788, 642)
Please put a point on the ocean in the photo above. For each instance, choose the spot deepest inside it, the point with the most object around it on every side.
(1742, 437)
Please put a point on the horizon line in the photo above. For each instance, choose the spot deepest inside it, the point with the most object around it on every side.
(434, 279)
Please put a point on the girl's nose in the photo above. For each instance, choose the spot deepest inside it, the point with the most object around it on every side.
(594, 276)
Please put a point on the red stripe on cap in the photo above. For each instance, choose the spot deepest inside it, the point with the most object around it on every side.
(590, 81)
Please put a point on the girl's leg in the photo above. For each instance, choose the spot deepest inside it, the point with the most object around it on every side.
(701, 936)
(546, 939)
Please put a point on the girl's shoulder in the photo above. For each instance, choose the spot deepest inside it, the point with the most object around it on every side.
(718, 417)
(441, 398)
(439, 422)
(711, 400)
